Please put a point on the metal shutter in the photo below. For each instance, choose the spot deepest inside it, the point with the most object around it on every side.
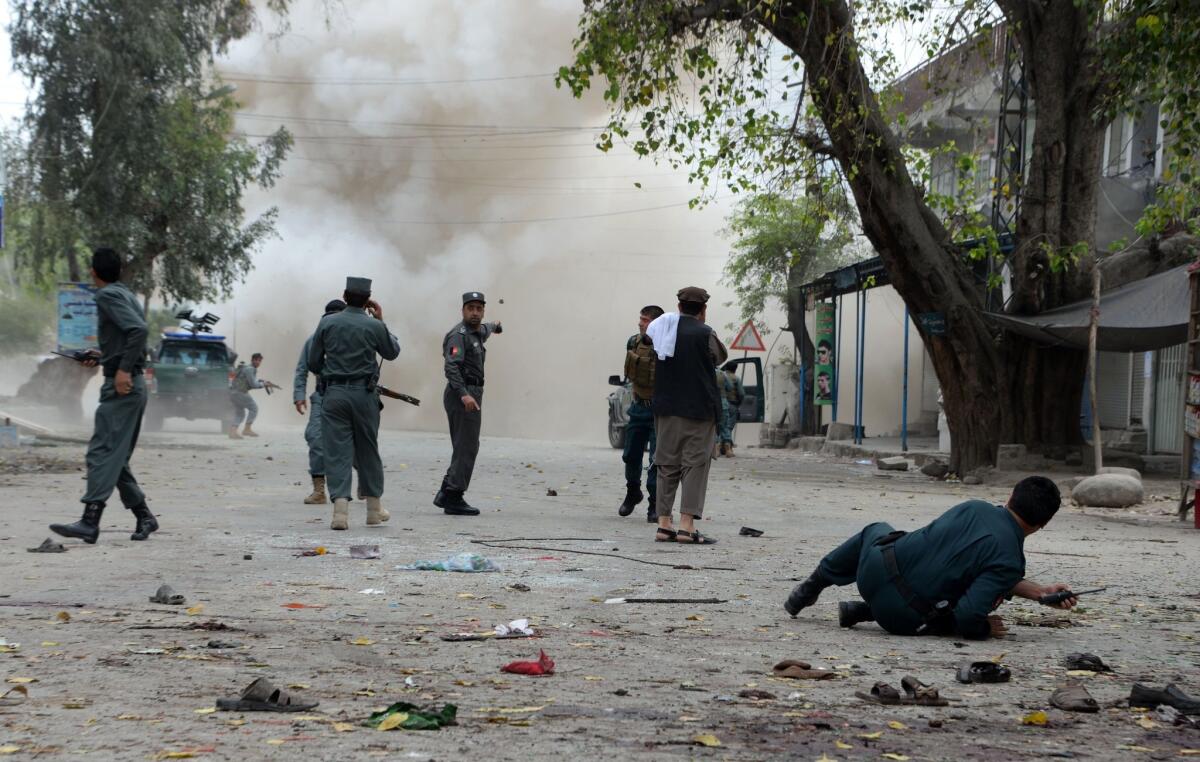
(1112, 389)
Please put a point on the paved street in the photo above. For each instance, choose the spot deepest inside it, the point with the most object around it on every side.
(118, 677)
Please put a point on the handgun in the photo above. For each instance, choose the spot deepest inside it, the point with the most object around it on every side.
(1062, 595)
(79, 355)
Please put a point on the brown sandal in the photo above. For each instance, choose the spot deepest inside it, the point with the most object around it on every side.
(694, 538)
(668, 535)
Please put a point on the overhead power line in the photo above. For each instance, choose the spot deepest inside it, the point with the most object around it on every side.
(283, 79)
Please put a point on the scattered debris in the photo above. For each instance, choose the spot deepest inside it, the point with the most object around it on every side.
(935, 469)
(405, 716)
(167, 595)
(983, 672)
(665, 600)
(365, 551)
(801, 670)
(756, 695)
(515, 627)
(262, 696)
(48, 546)
(14, 696)
(371, 591)
(463, 562)
(551, 493)
(897, 463)
(320, 550)
(1074, 698)
(518, 587)
(748, 532)
(1090, 662)
(543, 666)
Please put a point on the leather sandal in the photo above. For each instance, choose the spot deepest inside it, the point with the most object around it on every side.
(983, 672)
(262, 696)
(1074, 698)
(694, 538)
(665, 535)
(920, 694)
(881, 693)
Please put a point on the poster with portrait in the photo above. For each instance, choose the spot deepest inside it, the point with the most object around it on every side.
(77, 319)
(823, 374)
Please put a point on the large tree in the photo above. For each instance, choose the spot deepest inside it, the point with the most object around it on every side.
(779, 243)
(697, 78)
(130, 144)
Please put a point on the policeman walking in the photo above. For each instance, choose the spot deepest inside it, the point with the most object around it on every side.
(245, 379)
(312, 432)
(463, 351)
(122, 355)
(342, 353)
(639, 433)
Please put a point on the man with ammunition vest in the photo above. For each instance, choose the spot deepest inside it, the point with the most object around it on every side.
(639, 432)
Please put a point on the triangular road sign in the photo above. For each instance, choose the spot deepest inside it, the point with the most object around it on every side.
(748, 339)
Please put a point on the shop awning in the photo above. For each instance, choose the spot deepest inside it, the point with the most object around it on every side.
(1147, 314)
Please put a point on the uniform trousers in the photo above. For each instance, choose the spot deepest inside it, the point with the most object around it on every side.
(243, 406)
(683, 459)
(465, 426)
(729, 417)
(859, 559)
(118, 422)
(312, 435)
(639, 434)
(350, 437)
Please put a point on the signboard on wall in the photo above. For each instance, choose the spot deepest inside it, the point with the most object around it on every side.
(823, 379)
(77, 322)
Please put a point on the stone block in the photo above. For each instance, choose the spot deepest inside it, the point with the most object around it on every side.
(935, 469)
(897, 463)
(838, 432)
(1108, 491)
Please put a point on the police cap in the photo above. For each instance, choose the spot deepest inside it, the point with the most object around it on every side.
(473, 296)
(693, 294)
(358, 286)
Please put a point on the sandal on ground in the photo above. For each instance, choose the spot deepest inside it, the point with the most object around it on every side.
(801, 670)
(921, 694)
(694, 538)
(262, 696)
(881, 693)
(166, 594)
(49, 546)
(1074, 698)
(664, 535)
(983, 672)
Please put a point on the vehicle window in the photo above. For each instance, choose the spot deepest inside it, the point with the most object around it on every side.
(195, 356)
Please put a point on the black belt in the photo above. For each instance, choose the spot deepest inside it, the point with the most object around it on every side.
(362, 382)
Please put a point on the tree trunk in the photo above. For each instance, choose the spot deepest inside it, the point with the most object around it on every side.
(805, 348)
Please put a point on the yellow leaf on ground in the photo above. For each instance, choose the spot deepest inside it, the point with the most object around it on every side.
(48, 644)
(1080, 673)
(22, 680)
(9, 749)
(465, 596)
(194, 610)
(1037, 718)
(897, 757)
(842, 745)
(394, 721)
(343, 727)
(63, 616)
(235, 723)
(894, 725)
(1147, 723)
(128, 717)
(321, 550)
(175, 755)
(826, 758)
(706, 739)
(276, 741)
(695, 618)
(593, 678)
(205, 710)
(871, 736)
(1189, 752)
(362, 642)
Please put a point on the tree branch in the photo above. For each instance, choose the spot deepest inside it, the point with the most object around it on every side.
(720, 10)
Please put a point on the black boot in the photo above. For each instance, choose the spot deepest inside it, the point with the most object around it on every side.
(146, 523)
(652, 510)
(87, 528)
(633, 496)
(455, 505)
(806, 593)
(851, 613)
(440, 498)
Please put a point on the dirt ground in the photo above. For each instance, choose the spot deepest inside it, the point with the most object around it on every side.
(113, 676)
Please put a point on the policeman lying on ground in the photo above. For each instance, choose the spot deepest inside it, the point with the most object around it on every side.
(945, 577)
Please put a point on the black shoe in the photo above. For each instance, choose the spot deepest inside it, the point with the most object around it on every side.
(1181, 701)
(87, 528)
(456, 506)
(652, 511)
(1149, 698)
(851, 613)
(806, 593)
(633, 496)
(146, 523)
(440, 499)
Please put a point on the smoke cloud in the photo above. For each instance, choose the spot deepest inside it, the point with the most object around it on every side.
(435, 156)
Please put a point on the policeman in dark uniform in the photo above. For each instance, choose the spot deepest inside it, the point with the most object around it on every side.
(464, 353)
(640, 360)
(945, 577)
(122, 355)
(343, 352)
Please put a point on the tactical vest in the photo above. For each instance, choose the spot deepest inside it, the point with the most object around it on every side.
(639, 368)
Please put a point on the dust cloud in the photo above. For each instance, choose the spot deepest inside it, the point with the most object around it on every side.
(435, 155)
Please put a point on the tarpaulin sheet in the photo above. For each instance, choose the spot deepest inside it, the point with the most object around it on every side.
(1147, 314)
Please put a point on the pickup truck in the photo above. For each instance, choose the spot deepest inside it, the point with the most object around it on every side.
(188, 376)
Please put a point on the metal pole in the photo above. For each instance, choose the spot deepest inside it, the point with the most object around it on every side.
(904, 398)
(857, 358)
(803, 369)
(1097, 443)
(837, 355)
(862, 361)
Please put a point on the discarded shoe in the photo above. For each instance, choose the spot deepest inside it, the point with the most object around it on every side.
(262, 696)
(801, 670)
(1074, 698)
(748, 532)
(167, 595)
(1086, 661)
(1145, 696)
(881, 693)
(49, 546)
(920, 694)
(983, 672)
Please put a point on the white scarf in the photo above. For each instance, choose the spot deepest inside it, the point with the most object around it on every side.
(662, 331)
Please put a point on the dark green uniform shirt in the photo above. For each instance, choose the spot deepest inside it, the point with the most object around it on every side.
(122, 330)
(464, 353)
(972, 556)
(345, 344)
